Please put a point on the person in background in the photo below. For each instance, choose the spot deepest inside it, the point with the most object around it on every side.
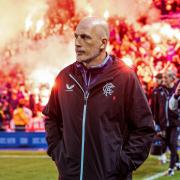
(157, 103)
(32, 104)
(98, 122)
(174, 105)
(172, 123)
(20, 116)
(2, 128)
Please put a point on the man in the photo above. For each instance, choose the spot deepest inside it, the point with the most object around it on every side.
(157, 101)
(174, 105)
(98, 122)
(20, 116)
(171, 122)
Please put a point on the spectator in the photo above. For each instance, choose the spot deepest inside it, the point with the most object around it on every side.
(1, 118)
(157, 102)
(20, 117)
(172, 122)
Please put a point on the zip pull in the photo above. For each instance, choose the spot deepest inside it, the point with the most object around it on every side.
(86, 97)
(86, 94)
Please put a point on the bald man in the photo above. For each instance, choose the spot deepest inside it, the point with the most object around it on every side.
(98, 122)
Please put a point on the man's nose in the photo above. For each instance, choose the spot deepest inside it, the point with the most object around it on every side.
(77, 42)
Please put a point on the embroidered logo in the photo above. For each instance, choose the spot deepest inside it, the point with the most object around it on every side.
(69, 87)
(108, 89)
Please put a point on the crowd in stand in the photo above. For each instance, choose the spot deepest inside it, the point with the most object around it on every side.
(167, 6)
(19, 109)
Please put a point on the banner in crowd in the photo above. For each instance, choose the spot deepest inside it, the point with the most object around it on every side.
(22, 140)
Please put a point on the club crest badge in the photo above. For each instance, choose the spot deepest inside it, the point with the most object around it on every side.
(108, 89)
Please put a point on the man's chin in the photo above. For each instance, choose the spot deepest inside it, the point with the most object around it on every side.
(81, 60)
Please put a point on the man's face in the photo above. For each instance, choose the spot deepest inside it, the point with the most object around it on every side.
(87, 43)
(159, 81)
(167, 79)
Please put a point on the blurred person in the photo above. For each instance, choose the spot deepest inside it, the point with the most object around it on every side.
(32, 104)
(14, 99)
(98, 122)
(21, 92)
(28, 112)
(174, 105)
(2, 128)
(172, 123)
(7, 110)
(156, 97)
(157, 102)
(20, 117)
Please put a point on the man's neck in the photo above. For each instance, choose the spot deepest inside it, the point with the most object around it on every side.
(97, 61)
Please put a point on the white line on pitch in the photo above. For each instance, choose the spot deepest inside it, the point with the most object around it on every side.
(156, 176)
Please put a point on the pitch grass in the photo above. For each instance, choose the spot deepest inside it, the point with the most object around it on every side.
(26, 168)
(14, 165)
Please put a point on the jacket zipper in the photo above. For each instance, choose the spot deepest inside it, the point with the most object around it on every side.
(86, 95)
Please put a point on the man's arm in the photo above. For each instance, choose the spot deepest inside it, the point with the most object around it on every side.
(173, 102)
(140, 124)
(53, 120)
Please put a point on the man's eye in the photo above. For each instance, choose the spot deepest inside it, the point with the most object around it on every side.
(84, 37)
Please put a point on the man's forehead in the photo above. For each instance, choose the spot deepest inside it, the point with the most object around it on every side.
(82, 29)
(88, 25)
(83, 26)
(92, 27)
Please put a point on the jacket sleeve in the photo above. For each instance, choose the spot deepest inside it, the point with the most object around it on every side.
(140, 124)
(53, 120)
(173, 103)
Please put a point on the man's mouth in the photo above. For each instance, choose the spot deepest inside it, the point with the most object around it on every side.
(79, 52)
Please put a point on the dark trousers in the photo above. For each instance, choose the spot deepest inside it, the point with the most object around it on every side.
(171, 137)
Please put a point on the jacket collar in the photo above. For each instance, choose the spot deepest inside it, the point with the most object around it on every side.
(104, 74)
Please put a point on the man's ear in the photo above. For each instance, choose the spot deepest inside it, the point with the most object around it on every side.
(103, 44)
